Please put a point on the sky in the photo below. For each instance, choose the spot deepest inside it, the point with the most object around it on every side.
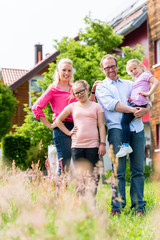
(26, 23)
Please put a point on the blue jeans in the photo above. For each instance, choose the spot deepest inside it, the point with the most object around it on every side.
(63, 146)
(126, 120)
(137, 157)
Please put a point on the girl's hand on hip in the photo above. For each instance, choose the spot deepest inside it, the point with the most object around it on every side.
(73, 131)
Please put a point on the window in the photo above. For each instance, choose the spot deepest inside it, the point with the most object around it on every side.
(157, 52)
(158, 136)
(33, 86)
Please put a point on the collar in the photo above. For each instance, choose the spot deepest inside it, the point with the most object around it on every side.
(110, 81)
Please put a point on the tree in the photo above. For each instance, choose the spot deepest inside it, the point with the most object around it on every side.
(99, 34)
(7, 109)
(95, 41)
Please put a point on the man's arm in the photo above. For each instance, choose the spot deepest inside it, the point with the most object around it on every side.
(120, 107)
(138, 112)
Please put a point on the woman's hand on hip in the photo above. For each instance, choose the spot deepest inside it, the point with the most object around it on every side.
(53, 125)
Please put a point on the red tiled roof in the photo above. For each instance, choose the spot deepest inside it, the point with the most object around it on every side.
(10, 76)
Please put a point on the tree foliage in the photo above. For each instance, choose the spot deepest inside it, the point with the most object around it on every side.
(100, 35)
(7, 109)
(36, 130)
(95, 41)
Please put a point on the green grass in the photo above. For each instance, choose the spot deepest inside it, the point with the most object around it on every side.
(38, 210)
(128, 225)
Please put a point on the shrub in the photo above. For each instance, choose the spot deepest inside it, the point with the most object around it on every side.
(35, 154)
(7, 108)
(14, 147)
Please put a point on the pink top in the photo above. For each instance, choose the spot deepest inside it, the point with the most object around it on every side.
(141, 84)
(86, 119)
(58, 99)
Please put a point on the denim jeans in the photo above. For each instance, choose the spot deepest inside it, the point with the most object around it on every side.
(63, 146)
(126, 119)
(137, 157)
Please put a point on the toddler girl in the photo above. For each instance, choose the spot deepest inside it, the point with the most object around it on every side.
(139, 98)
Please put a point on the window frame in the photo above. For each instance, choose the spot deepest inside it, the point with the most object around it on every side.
(158, 136)
(35, 78)
(157, 51)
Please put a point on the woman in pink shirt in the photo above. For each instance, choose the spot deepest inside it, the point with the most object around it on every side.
(87, 143)
(58, 95)
(139, 98)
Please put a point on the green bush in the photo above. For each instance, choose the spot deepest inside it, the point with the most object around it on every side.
(14, 147)
(148, 171)
(7, 108)
(35, 154)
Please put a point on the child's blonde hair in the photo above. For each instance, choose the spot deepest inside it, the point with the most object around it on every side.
(56, 76)
(79, 82)
(135, 62)
(84, 83)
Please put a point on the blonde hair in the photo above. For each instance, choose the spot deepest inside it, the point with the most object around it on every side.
(108, 56)
(79, 82)
(84, 83)
(56, 76)
(135, 62)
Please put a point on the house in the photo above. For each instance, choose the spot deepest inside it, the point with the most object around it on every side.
(154, 56)
(133, 25)
(21, 81)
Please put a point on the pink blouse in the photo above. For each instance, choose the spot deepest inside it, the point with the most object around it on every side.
(58, 99)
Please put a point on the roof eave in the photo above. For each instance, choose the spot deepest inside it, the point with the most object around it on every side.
(133, 25)
(32, 72)
(37, 68)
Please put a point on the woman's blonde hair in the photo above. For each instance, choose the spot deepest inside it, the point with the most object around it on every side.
(135, 62)
(56, 76)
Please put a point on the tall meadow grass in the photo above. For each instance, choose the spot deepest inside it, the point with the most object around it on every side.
(34, 206)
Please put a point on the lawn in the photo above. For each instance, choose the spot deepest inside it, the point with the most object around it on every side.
(34, 207)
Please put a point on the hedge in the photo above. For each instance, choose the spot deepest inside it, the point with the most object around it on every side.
(15, 147)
